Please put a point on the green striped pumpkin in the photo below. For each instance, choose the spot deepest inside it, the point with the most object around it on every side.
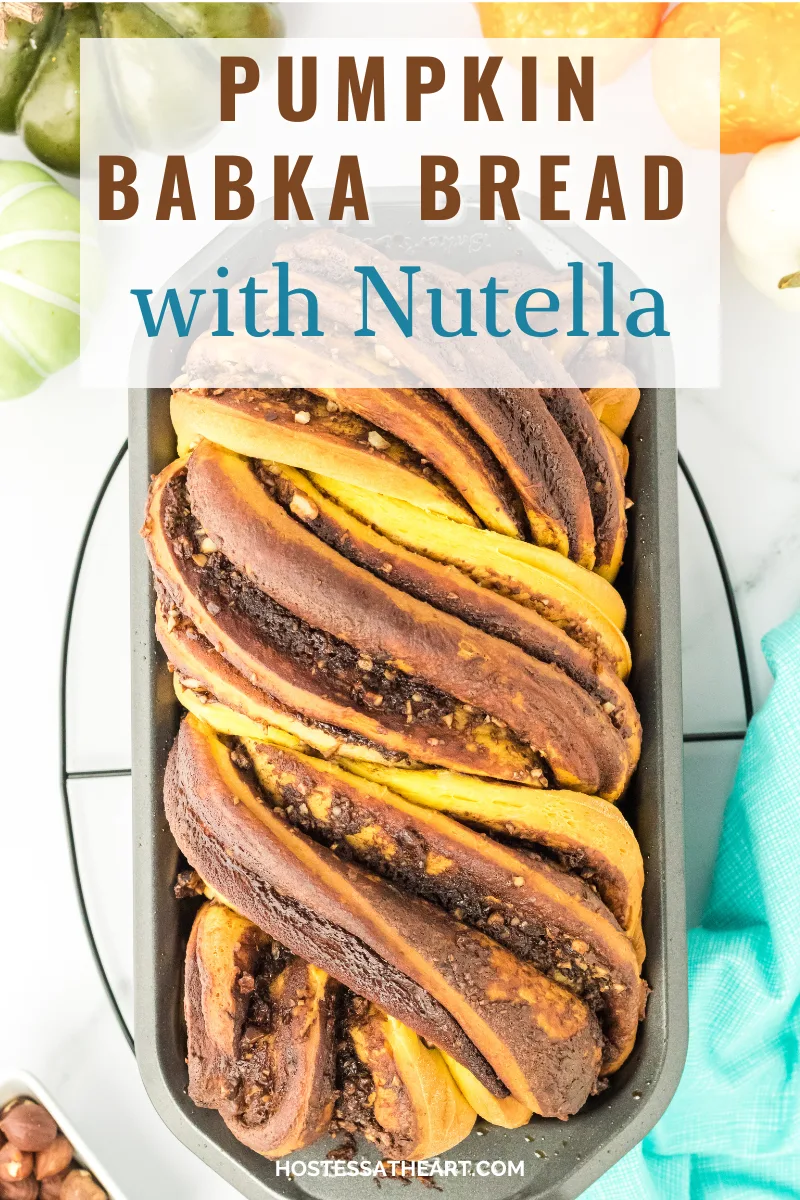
(39, 278)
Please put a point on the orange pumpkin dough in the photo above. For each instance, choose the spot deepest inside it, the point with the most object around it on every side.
(759, 71)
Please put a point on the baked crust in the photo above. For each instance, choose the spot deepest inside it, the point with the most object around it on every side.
(605, 480)
(586, 835)
(580, 602)
(264, 424)
(261, 1034)
(536, 701)
(453, 985)
(517, 427)
(421, 419)
(411, 1106)
(545, 916)
(281, 656)
(449, 589)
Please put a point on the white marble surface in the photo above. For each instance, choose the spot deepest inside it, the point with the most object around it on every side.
(741, 442)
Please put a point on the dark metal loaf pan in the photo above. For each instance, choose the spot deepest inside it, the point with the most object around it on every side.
(559, 1159)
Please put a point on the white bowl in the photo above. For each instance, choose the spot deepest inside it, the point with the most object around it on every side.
(20, 1083)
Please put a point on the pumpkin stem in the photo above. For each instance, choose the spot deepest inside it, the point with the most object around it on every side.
(790, 281)
(32, 13)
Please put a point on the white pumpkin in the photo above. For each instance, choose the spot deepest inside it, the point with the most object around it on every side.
(39, 278)
(764, 223)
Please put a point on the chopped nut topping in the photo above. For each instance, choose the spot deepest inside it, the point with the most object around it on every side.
(517, 880)
(207, 546)
(302, 507)
(377, 441)
(302, 418)
(200, 559)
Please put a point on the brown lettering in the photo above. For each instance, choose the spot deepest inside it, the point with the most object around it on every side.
(348, 191)
(503, 189)
(478, 88)
(361, 93)
(549, 186)
(570, 87)
(308, 88)
(416, 89)
(528, 66)
(225, 187)
(652, 179)
(109, 187)
(289, 185)
(230, 88)
(431, 188)
(605, 191)
(176, 191)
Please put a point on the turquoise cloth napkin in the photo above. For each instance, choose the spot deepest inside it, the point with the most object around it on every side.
(733, 1127)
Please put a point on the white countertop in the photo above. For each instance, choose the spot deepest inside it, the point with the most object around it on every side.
(55, 446)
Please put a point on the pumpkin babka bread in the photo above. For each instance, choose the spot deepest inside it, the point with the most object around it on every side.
(390, 614)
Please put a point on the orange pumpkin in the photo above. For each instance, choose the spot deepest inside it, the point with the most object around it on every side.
(759, 72)
(619, 24)
(570, 20)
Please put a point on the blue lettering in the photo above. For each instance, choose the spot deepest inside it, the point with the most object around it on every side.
(403, 320)
(284, 293)
(466, 329)
(657, 312)
(522, 308)
(171, 302)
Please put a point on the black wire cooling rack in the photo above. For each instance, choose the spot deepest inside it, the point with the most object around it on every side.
(67, 776)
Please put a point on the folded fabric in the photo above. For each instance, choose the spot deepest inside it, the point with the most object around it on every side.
(733, 1127)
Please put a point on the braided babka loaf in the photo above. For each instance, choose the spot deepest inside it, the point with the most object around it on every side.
(390, 614)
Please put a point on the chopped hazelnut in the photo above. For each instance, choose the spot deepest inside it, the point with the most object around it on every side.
(302, 507)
